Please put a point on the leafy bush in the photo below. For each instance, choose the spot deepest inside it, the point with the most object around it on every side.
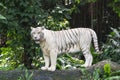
(107, 70)
(109, 75)
(88, 76)
(111, 49)
(56, 18)
(113, 78)
(101, 74)
(8, 59)
(67, 61)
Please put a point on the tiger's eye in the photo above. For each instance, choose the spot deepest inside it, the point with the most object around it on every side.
(39, 32)
(33, 33)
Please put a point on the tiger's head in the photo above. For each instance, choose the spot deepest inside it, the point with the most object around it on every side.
(37, 34)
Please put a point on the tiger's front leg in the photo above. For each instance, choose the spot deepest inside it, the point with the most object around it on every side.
(47, 62)
(53, 59)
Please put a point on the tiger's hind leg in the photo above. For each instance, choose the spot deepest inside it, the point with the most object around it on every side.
(88, 58)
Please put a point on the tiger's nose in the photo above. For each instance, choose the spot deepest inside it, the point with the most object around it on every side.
(35, 37)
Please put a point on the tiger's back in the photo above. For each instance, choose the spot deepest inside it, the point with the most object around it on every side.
(73, 40)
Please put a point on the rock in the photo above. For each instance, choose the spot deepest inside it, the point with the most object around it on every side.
(42, 75)
(58, 74)
(114, 66)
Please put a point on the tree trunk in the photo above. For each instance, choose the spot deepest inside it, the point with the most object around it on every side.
(27, 58)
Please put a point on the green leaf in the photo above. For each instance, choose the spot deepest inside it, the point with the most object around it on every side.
(2, 17)
(113, 78)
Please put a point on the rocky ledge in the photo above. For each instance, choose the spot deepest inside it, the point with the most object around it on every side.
(56, 75)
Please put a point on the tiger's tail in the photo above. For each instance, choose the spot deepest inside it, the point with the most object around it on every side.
(95, 40)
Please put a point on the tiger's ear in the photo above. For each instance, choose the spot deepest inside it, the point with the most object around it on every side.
(43, 27)
(32, 28)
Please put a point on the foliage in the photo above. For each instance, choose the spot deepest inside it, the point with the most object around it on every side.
(57, 18)
(88, 76)
(101, 74)
(111, 48)
(67, 61)
(2, 17)
(116, 73)
(113, 78)
(27, 76)
(115, 4)
(8, 59)
(75, 5)
(107, 70)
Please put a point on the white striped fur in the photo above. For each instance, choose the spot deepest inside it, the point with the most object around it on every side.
(65, 41)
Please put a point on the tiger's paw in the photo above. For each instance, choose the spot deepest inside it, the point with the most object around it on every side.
(84, 65)
(51, 68)
(44, 68)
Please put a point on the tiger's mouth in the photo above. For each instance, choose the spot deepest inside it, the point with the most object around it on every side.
(37, 41)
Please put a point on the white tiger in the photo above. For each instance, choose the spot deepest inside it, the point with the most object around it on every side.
(65, 41)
